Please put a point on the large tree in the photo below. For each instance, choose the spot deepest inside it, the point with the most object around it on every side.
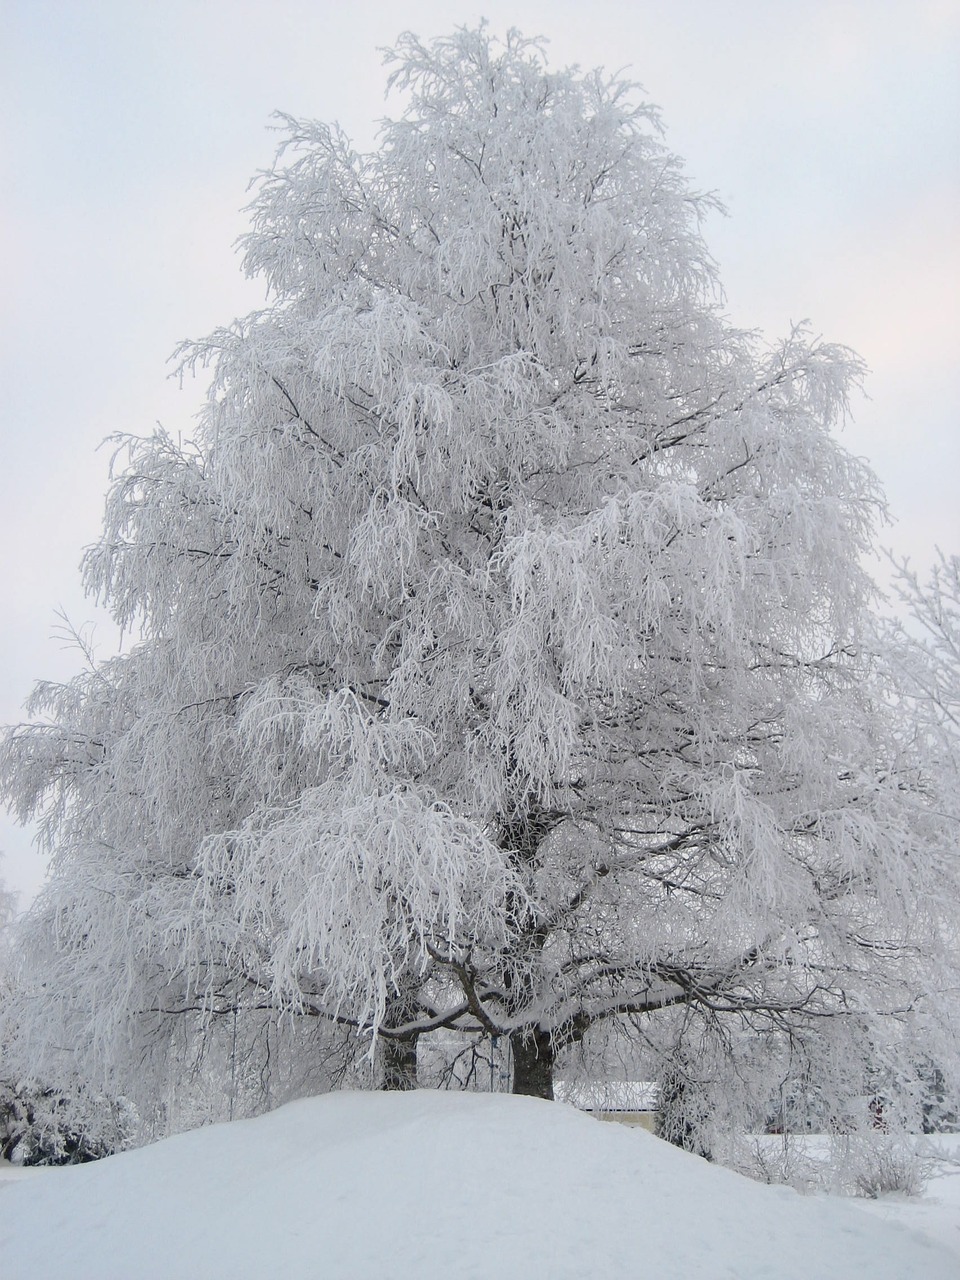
(500, 667)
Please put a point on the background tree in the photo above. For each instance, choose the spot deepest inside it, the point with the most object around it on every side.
(920, 671)
(41, 1125)
(500, 668)
(921, 650)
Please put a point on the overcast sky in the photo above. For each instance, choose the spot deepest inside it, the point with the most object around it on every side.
(829, 128)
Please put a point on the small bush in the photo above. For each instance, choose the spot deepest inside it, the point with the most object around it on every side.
(884, 1165)
(40, 1126)
(868, 1165)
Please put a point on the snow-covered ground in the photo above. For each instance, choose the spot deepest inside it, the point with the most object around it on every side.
(443, 1185)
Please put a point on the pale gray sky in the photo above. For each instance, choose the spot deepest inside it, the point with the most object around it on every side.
(830, 128)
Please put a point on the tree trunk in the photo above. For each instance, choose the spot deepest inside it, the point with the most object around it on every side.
(680, 1113)
(399, 1059)
(533, 1061)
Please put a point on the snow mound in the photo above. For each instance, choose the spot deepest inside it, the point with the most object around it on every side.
(361, 1186)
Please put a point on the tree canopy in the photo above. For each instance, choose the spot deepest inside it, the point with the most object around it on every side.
(502, 667)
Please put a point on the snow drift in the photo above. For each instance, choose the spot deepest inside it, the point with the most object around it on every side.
(360, 1186)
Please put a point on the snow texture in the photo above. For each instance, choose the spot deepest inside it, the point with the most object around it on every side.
(425, 1185)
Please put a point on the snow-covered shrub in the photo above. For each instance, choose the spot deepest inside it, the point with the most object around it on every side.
(872, 1164)
(781, 1159)
(868, 1164)
(43, 1126)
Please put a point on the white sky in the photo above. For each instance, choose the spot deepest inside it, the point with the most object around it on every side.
(830, 129)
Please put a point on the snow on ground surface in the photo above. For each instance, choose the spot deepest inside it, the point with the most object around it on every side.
(437, 1186)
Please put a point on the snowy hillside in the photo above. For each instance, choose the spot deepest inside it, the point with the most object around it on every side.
(428, 1185)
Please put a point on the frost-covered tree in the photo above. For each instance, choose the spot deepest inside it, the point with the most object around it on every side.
(8, 913)
(40, 1124)
(922, 654)
(500, 668)
(920, 663)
